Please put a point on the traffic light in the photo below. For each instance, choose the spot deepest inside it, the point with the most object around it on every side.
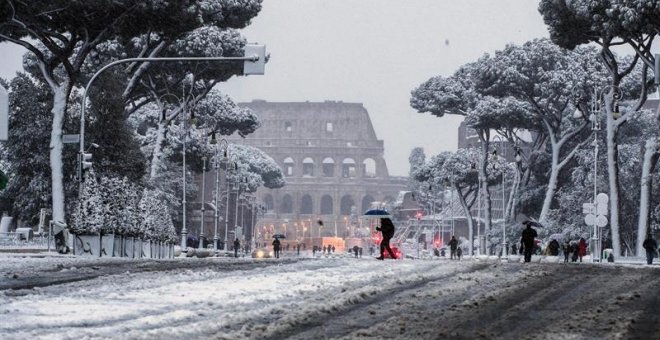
(84, 164)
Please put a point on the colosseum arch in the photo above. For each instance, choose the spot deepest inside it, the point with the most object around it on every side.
(369, 168)
(288, 166)
(268, 202)
(286, 207)
(366, 203)
(345, 206)
(348, 168)
(306, 205)
(326, 205)
(328, 167)
(308, 167)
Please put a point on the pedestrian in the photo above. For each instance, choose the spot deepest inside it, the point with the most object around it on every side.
(527, 240)
(514, 249)
(567, 250)
(333, 249)
(574, 251)
(554, 247)
(387, 230)
(298, 249)
(237, 246)
(459, 253)
(276, 247)
(324, 249)
(355, 250)
(453, 244)
(360, 251)
(442, 252)
(582, 248)
(651, 247)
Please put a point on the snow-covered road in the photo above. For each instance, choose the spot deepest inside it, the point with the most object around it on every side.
(329, 298)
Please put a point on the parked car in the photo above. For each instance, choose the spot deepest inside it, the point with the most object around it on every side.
(262, 253)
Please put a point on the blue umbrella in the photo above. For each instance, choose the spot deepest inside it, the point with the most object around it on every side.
(377, 213)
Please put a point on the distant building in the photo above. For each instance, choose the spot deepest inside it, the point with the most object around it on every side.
(333, 165)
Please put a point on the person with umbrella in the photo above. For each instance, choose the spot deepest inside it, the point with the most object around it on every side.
(527, 240)
(276, 247)
(387, 230)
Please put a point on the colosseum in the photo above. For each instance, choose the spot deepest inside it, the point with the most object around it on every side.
(334, 168)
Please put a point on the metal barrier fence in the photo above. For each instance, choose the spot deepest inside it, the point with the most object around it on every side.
(17, 240)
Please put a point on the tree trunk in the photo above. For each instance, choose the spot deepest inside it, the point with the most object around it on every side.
(613, 176)
(552, 183)
(468, 216)
(57, 178)
(484, 186)
(510, 207)
(156, 157)
(645, 191)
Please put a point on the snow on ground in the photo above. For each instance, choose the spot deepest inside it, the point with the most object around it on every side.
(333, 297)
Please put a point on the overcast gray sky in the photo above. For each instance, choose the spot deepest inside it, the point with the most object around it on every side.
(373, 52)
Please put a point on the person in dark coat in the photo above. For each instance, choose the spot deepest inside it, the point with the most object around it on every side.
(459, 253)
(567, 250)
(387, 230)
(453, 245)
(298, 249)
(360, 251)
(333, 249)
(355, 250)
(527, 240)
(237, 246)
(323, 249)
(276, 248)
(651, 247)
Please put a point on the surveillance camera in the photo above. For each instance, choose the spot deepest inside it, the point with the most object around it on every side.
(94, 145)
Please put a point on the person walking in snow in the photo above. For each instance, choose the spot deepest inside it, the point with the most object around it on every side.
(567, 250)
(355, 250)
(459, 253)
(453, 244)
(582, 248)
(651, 247)
(387, 230)
(527, 240)
(237, 246)
(276, 248)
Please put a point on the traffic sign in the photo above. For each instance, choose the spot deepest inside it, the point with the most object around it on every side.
(601, 221)
(588, 208)
(70, 139)
(590, 219)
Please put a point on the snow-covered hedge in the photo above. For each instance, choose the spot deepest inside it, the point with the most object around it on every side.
(117, 206)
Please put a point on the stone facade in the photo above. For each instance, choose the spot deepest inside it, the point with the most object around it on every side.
(333, 165)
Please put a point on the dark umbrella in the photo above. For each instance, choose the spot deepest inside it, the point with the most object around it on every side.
(533, 224)
(377, 213)
(279, 236)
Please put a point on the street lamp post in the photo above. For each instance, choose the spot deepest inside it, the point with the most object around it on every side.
(184, 228)
(223, 146)
(230, 165)
(201, 220)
